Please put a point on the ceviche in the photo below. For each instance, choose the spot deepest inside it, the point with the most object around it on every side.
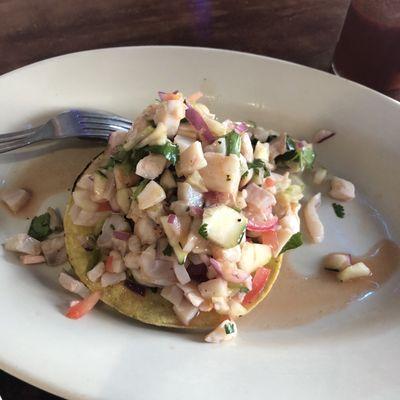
(182, 221)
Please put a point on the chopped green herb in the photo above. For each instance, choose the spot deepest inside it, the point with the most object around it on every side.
(258, 165)
(296, 158)
(229, 328)
(244, 175)
(244, 289)
(40, 227)
(241, 235)
(295, 241)
(168, 251)
(184, 121)
(169, 150)
(339, 210)
(233, 142)
(118, 157)
(203, 231)
(139, 188)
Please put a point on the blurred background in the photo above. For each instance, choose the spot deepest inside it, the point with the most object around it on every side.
(301, 31)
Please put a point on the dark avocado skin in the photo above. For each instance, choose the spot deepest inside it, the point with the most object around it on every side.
(152, 308)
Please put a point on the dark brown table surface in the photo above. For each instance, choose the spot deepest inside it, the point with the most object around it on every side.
(302, 31)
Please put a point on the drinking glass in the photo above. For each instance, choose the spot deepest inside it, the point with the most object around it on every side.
(368, 50)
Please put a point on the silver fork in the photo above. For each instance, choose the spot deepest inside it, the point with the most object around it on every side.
(73, 123)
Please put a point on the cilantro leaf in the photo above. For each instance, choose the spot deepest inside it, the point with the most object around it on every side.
(297, 157)
(244, 289)
(229, 328)
(258, 165)
(40, 227)
(169, 150)
(339, 210)
(203, 231)
(233, 142)
(295, 241)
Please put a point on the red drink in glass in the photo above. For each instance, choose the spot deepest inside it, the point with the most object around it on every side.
(368, 50)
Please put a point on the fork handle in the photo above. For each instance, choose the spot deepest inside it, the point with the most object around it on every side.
(26, 133)
(16, 144)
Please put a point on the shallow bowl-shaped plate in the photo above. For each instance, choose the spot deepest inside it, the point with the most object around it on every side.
(353, 353)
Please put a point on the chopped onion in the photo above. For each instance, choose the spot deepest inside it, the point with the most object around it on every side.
(185, 311)
(268, 225)
(196, 211)
(195, 118)
(109, 278)
(181, 274)
(16, 199)
(22, 243)
(121, 235)
(226, 330)
(323, 135)
(241, 127)
(216, 265)
(173, 294)
(27, 259)
(233, 275)
(171, 218)
(96, 272)
(73, 285)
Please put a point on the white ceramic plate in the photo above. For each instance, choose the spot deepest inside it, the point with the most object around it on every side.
(351, 354)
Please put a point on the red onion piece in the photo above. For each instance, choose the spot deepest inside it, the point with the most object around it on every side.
(266, 226)
(196, 211)
(323, 135)
(233, 275)
(195, 118)
(197, 273)
(136, 287)
(121, 235)
(301, 144)
(240, 127)
(216, 265)
(161, 95)
(171, 218)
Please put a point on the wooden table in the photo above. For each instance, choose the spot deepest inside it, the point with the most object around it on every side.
(302, 31)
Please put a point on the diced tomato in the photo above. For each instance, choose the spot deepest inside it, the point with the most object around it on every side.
(105, 206)
(109, 262)
(82, 307)
(269, 182)
(259, 281)
(270, 238)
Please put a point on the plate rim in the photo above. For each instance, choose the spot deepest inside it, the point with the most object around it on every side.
(35, 379)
